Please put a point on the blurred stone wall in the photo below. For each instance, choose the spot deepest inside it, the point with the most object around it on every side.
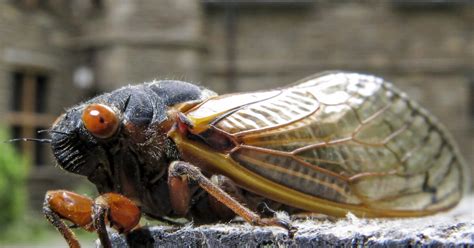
(32, 39)
(425, 49)
(136, 41)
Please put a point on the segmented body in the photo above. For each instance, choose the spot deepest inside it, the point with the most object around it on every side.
(346, 138)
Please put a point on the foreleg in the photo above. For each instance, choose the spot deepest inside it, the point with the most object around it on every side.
(111, 208)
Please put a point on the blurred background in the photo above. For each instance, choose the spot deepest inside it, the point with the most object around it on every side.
(56, 53)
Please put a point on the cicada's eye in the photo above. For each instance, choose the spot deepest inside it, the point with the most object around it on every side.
(100, 120)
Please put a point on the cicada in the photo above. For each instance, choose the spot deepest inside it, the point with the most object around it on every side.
(333, 143)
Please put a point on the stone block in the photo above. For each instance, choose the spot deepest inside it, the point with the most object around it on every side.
(454, 228)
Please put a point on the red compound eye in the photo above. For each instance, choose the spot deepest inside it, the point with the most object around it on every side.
(100, 120)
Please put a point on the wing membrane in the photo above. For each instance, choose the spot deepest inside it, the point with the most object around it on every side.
(351, 139)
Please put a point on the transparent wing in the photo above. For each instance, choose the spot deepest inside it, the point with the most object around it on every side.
(347, 138)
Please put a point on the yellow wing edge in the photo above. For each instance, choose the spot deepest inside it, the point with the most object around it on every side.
(221, 163)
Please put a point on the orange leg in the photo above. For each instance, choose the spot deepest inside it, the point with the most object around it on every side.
(70, 206)
(120, 212)
(179, 170)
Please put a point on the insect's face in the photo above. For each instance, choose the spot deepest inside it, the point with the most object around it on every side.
(106, 135)
(80, 137)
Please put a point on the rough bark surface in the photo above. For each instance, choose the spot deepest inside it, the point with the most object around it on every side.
(450, 229)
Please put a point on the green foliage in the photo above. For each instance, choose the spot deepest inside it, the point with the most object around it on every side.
(13, 174)
(18, 225)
